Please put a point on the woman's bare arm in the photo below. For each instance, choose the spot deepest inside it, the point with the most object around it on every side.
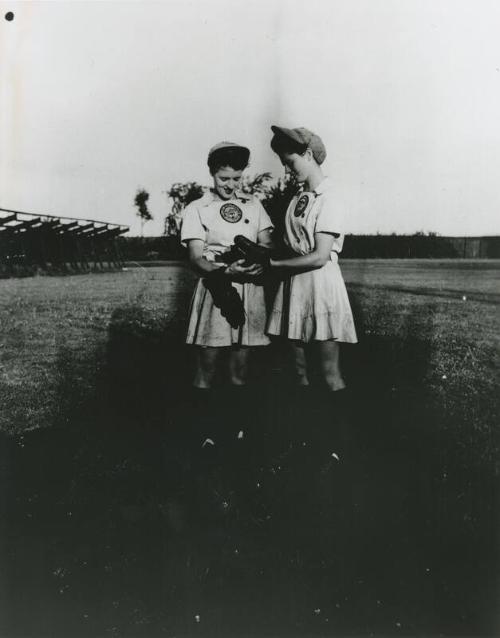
(312, 261)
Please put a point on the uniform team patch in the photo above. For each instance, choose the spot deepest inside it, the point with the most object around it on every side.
(301, 206)
(231, 213)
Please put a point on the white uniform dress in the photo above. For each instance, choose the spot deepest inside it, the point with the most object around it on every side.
(217, 222)
(313, 306)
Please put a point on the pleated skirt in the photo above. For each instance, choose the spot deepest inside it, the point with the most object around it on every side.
(207, 327)
(313, 306)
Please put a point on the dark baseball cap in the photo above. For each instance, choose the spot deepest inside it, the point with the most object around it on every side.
(306, 137)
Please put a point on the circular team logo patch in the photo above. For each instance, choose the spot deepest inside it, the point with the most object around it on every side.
(231, 213)
(301, 206)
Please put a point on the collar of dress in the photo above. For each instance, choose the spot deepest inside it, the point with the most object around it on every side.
(323, 186)
(211, 196)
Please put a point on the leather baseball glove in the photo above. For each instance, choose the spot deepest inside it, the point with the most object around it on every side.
(248, 250)
(225, 297)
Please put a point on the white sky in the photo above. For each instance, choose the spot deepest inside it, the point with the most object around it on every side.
(100, 98)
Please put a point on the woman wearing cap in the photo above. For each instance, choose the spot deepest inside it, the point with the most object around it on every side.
(209, 226)
(311, 307)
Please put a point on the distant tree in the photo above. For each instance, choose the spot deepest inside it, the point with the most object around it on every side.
(275, 196)
(276, 203)
(260, 184)
(182, 194)
(140, 200)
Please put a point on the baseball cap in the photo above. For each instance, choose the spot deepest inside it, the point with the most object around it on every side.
(303, 135)
(225, 146)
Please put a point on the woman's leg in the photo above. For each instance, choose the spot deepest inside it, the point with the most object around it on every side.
(238, 365)
(205, 367)
(299, 363)
(337, 432)
(329, 363)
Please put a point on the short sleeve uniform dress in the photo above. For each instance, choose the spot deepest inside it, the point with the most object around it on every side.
(313, 306)
(216, 222)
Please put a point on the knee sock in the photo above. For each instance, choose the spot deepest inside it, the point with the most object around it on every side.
(202, 418)
(335, 427)
(236, 411)
(243, 430)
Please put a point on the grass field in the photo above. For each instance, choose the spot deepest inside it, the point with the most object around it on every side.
(105, 534)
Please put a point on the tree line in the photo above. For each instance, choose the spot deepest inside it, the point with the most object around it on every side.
(275, 195)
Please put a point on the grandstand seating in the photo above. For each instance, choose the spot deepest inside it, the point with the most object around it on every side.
(33, 243)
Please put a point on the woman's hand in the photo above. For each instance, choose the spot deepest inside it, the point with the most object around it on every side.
(237, 270)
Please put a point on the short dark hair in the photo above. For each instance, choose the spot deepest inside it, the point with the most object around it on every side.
(235, 156)
(283, 144)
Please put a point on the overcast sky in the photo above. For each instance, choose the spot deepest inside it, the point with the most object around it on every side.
(100, 98)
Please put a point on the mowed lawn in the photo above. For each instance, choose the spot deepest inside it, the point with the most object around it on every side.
(475, 279)
(55, 333)
(56, 330)
(108, 528)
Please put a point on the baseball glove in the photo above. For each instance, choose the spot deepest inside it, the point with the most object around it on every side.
(248, 250)
(225, 297)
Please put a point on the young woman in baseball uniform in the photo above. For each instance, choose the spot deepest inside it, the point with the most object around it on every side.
(209, 226)
(311, 308)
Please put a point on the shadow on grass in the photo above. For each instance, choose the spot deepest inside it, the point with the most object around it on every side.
(148, 367)
(112, 527)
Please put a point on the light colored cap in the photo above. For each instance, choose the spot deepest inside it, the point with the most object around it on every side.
(227, 145)
(303, 135)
